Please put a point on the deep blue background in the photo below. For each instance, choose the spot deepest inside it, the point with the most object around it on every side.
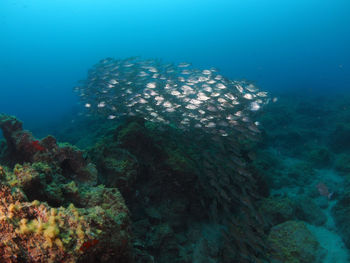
(46, 46)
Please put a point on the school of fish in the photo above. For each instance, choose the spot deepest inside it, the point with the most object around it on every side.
(175, 94)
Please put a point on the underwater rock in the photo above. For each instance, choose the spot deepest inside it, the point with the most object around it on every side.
(9, 126)
(292, 242)
(341, 215)
(23, 147)
(277, 210)
(268, 164)
(291, 131)
(120, 172)
(342, 163)
(321, 202)
(20, 143)
(159, 236)
(308, 211)
(209, 246)
(300, 173)
(117, 165)
(133, 136)
(35, 232)
(52, 210)
(339, 139)
(320, 157)
(179, 184)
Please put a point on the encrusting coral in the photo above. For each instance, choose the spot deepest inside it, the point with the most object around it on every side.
(51, 209)
(23, 147)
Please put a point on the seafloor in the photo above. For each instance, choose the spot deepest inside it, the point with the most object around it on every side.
(133, 191)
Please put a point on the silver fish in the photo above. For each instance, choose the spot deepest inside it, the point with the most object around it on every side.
(178, 94)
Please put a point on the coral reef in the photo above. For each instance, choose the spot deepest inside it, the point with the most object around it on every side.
(176, 191)
(292, 242)
(307, 210)
(277, 209)
(51, 209)
(37, 232)
(168, 182)
(23, 147)
(319, 157)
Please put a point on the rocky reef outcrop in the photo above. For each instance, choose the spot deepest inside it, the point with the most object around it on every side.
(191, 197)
(292, 242)
(51, 208)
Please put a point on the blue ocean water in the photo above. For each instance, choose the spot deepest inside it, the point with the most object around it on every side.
(47, 46)
(296, 171)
